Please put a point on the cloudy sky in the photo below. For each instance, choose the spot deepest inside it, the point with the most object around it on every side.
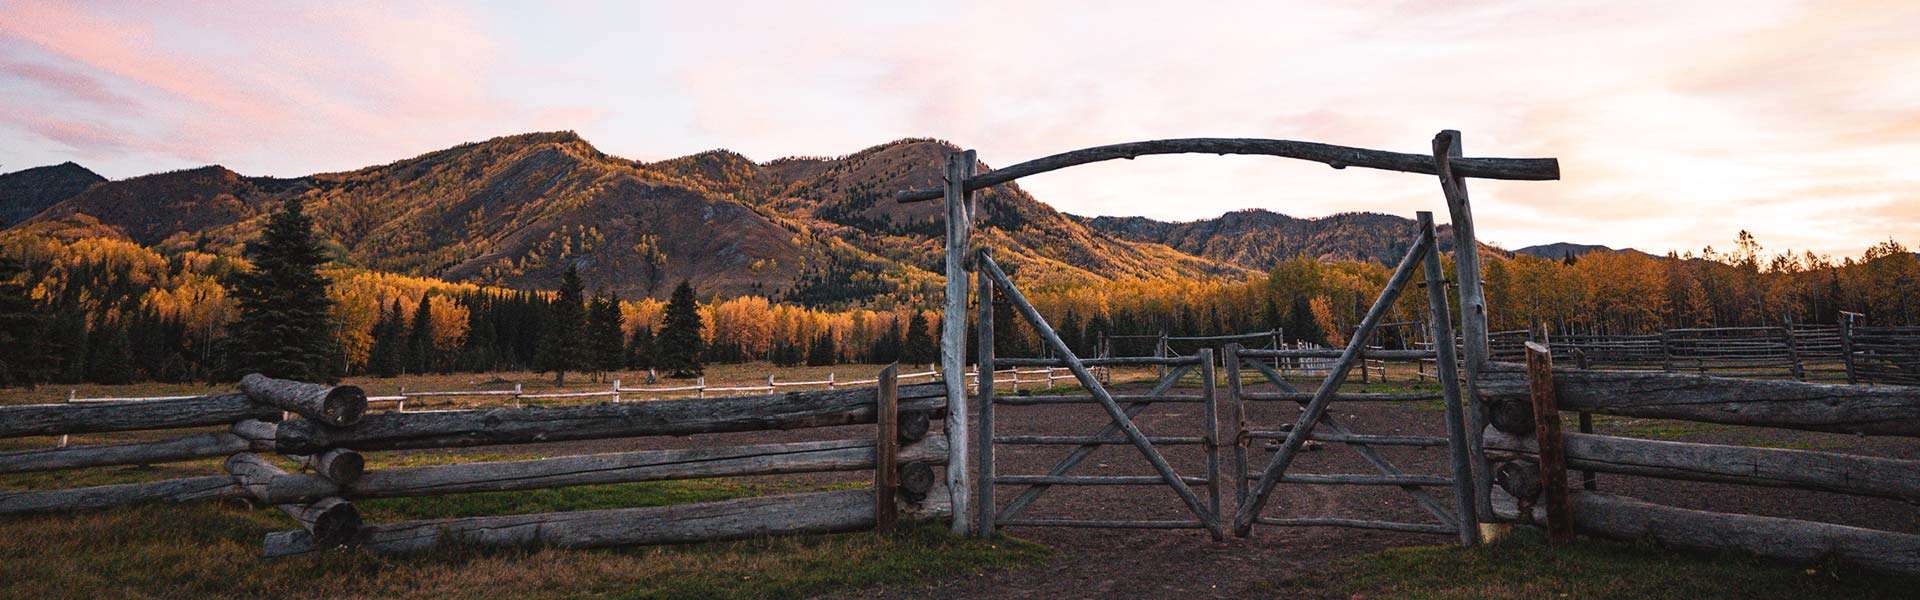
(1676, 124)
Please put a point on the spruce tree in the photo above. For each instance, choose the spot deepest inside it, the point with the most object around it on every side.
(1302, 326)
(919, 348)
(109, 354)
(605, 340)
(640, 348)
(420, 352)
(679, 341)
(820, 354)
(25, 359)
(68, 341)
(388, 355)
(284, 329)
(562, 345)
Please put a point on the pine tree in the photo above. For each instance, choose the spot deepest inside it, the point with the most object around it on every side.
(109, 354)
(820, 354)
(388, 356)
(562, 346)
(640, 348)
(606, 343)
(919, 347)
(68, 341)
(420, 352)
(283, 329)
(25, 358)
(1302, 326)
(679, 342)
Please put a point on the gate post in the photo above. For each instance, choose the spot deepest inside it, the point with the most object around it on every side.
(1461, 456)
(1473, 306)
(886, 444)
(984, 365)
(953, 340)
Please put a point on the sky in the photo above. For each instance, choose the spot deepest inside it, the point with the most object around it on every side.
(1676, 124)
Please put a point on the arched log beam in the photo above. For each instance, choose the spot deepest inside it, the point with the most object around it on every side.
(1338, 157)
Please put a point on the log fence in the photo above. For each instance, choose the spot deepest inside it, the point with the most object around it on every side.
(323, 429)
(1533, 456)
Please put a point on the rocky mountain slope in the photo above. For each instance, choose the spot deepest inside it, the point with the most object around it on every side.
(26, 193)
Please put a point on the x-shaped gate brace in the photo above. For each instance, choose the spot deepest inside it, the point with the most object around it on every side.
(1462, 518)
(1120, 421)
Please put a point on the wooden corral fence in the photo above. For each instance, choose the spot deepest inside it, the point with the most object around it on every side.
(1883, 354)
(325, 428)
(1531, 456)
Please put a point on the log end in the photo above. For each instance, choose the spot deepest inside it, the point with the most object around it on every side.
(913, 426)
(340, 465)
(335, 523)
(916, 480)
(343, 405)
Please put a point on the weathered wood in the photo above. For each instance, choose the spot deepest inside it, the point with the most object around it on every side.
(821, 512)
(1359, 524)
(1790, 540)
(1315, 409)
(1769, 467)
(788, 410)
(171, 491)
(912, 426)
(915, 480)
(329, 522)
(1111, 361)
(1086, 440)
(1093, 480)
(336, 405)
(1102, 523)
(339, 465)
(1473, 305)
(199, 445)
(1334, 353)
(886, 440)
(1080, 454)
(601, 469)
(953, 338)
(1440, 326)
(1546, 428)
(99, 417)
(261, 435)
(985, 363)
(1520, 478)
(1877, 410)
(1117, 414)
(1238, 416)
(1338, 157)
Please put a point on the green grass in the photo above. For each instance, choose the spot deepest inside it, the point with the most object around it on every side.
(1524, 566)
(214, 551)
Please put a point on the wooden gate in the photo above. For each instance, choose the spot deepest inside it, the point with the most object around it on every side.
(1318, 424)
(1120, 428)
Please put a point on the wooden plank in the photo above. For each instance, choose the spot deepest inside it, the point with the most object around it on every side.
(1359, 524)
(886, 443)
(1788, 540)
(1338, 157)
(985, 363)
(820, 512)
(1091, 480)
(1114, 412)
(1079, 454)
(1877, 410)
(171, 491)
(1553, 458)
(462, 428)
(1250, 507)
(100, 417)
(1460, 457)
(1102, 523)
(1238, 416)
(199, 445)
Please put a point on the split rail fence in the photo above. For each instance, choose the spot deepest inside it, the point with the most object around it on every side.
(324, 429)
(1531, 455)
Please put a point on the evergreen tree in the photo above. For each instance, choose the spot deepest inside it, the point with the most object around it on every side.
(69, 342)
(109, 354)
(820, 354)
(1301, 325)
(562, 346)
(421, 357)
(388, 356)
(25, 358)
(640, 348)
(919, 348)
(1071, 333)
(283, 329)
(607, 344)
(679, 343)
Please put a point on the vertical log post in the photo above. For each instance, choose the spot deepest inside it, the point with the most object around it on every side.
(984, 361)
(1846, 347)
(1587, 479)
(1239, 419)
(953, 340)
(1553, 454)
(1441, 328)
(886, 445)
(1208, 392)
(1473, 314)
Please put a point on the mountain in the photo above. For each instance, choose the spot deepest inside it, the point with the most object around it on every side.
(26, 193)
(1560, 250)
(1260, 239)
(515, 210)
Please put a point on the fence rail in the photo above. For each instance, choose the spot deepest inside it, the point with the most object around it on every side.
(325, 428)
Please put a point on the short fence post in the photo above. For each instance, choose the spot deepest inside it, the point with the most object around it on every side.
(983, 470)
(1546, 432)
(1846, 348)
(886, 443)
(702, 383)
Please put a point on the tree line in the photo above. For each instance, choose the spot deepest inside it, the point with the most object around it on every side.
(106, 310)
